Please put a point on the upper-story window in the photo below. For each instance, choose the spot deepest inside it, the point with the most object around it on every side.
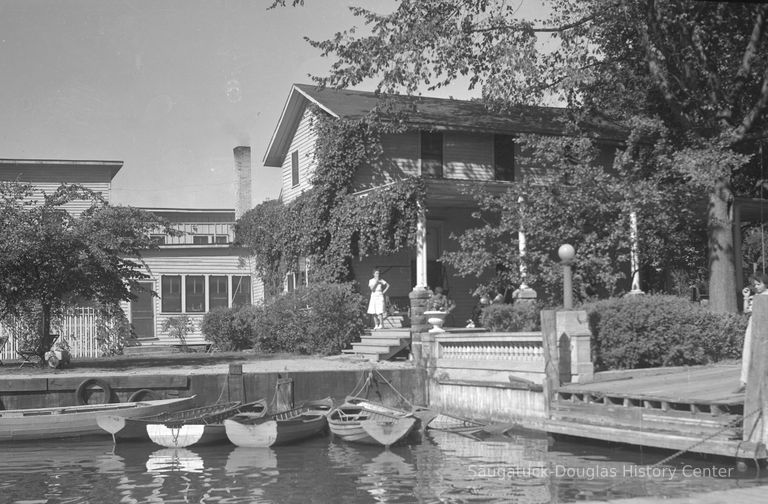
(504, 157)
(432, 153)
(294, 168)
(201, 240)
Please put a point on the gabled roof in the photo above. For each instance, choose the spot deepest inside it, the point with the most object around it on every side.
(426, 113)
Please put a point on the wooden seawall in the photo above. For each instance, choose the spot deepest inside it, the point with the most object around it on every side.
(545, 381)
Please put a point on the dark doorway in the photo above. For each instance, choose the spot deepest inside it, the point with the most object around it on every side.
(143, 311)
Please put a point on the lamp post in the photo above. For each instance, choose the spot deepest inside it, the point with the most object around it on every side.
(567, 253)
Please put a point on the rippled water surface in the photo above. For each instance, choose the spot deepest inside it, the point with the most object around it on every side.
(433, 467)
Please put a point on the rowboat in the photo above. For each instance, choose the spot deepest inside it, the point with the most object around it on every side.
(248, 430)
(74, 421)
(360, 420)
(456, 424)
(203, 429)
(135, 429)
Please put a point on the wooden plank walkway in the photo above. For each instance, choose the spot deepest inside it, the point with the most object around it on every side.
(687, 408)
(752, 495)
(699, 384)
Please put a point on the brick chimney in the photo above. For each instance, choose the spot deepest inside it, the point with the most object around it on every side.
(243, 201)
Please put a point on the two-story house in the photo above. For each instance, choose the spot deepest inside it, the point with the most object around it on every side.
(454, 143)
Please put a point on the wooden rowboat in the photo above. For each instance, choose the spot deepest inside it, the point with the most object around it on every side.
(75, 421)
(203, 429)
(456, 424)
(308, 420)
(359, 420)
(135, 429)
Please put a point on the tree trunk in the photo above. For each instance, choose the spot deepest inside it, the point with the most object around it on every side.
(722, 269)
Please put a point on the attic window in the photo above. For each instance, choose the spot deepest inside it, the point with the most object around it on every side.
(294, 168)
(432, 154)
(504, 157)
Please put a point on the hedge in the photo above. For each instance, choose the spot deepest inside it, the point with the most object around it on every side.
(660, 330)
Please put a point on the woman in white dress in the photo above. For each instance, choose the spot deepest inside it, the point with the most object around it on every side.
(760, 287)
(379, 288)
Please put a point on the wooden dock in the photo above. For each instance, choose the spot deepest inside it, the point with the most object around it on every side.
(677, 408)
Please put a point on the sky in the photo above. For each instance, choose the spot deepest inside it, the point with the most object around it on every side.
(169, 87)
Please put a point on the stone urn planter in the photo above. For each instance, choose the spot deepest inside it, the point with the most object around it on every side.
(436, 319)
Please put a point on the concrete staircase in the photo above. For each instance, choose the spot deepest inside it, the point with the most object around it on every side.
(381, 344)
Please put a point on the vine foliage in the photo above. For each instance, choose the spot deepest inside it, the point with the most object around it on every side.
(334, 221)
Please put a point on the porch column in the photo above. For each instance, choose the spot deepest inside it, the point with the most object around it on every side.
(522, 293)
(419, 296)
(634, 256)
(421, 249)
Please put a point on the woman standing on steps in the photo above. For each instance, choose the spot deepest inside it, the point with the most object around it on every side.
(376, 307)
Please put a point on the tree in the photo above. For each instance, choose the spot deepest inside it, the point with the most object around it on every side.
(51, 259)
(699, 66)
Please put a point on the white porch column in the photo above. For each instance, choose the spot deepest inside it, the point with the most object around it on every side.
(634, 256)
(421, 249)
(523, 292)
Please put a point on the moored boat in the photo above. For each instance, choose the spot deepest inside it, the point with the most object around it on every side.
(456, 424)
(360, 420)
(203, 429)
(74, 421)
(247, 430)
(135, 429)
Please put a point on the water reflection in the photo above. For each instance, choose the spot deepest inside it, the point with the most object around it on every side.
(438, 467)
(174, 460)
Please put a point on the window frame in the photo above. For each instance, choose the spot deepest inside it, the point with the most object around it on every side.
(430, 160)
(503, 171)
(295, 168)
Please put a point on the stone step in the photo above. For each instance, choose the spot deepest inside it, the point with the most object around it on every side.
(391, 332)
(367, 356)
(373, 340)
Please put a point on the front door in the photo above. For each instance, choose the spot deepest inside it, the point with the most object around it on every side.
(143, 311)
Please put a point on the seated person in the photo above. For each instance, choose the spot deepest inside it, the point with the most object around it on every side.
(440, 302)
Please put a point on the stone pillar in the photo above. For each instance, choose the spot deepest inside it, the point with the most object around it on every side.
(573, 324)
(419, 298)
(523, 293)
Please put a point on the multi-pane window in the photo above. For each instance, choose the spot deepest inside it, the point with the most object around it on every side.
(199, 293)
(504, 157)
(194, 291)
(295, 168)
(170, 291)
(432, 153)
(218, 288)
(241, 290)
(201, 240)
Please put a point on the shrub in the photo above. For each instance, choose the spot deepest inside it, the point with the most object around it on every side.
(660, 330)
(520, 316)
(321, 319)
(230, 328)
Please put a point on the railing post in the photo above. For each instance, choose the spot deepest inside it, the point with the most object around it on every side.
(551, 356)
(755, 409)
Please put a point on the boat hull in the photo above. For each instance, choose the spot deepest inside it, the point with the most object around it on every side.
(77, 421)
(370, 423)
(275, 432)
(186, 435)
(201, 430)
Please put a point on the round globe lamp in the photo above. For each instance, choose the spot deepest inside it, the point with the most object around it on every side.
(567, 253)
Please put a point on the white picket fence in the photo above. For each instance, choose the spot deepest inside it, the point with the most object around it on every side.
(78, 328)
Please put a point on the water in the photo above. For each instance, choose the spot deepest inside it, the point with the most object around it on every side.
(434, 467)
